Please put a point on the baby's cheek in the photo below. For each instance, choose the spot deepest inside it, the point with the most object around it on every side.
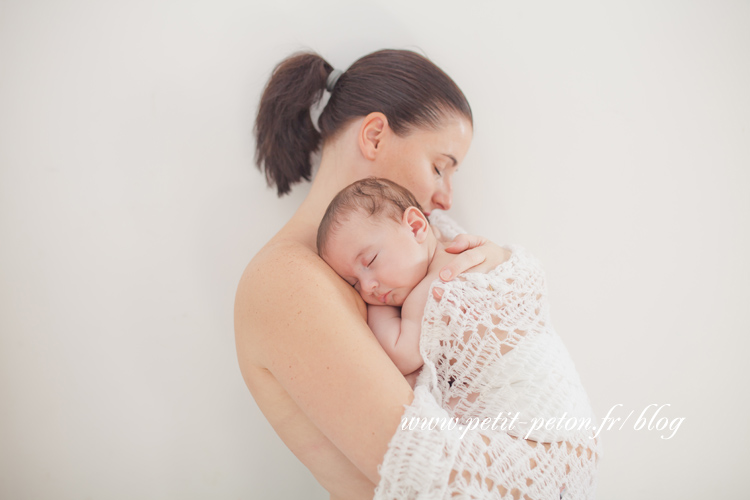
(368, 299)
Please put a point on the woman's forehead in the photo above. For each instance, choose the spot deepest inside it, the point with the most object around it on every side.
(452, 138)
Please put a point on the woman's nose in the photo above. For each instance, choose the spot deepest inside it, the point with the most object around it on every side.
(443, 198)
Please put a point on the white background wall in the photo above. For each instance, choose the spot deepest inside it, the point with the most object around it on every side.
(611, 139)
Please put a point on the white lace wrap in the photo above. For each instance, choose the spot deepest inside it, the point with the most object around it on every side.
(489, 347)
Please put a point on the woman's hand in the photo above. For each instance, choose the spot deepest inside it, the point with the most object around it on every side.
(473, 252)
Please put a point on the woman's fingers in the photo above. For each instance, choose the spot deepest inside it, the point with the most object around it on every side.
(464, 242)
(472, 251)
(463, 262)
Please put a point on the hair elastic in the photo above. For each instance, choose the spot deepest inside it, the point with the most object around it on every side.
(333, 77)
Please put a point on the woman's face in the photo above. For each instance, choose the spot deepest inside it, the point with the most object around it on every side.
(424, 161)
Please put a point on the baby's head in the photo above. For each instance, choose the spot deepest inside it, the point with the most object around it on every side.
(375, 236)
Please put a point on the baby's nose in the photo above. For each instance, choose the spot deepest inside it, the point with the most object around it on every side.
(371, 284)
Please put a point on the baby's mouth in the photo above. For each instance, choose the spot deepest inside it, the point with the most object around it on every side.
(384, 297)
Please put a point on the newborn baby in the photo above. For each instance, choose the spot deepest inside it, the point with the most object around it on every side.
(487, 346)
(489, 339)
(375, 236)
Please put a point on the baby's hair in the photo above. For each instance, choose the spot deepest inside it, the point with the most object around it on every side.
(373, 196)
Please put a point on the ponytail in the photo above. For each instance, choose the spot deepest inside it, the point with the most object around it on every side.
(284, 132)
(406, 87)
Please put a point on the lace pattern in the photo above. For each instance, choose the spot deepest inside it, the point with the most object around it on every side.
(489, 347)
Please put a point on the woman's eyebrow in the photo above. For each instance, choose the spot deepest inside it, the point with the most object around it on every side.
(452, 158)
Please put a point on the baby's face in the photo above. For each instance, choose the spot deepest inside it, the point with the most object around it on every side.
(381, 258)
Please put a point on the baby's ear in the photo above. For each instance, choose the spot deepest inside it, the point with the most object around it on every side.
(417, 222)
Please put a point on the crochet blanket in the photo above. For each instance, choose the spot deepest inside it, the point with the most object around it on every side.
(491, 351)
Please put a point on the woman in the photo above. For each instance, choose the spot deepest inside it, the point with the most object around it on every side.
(306, 353)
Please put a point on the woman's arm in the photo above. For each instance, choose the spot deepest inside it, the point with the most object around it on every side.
(306, 326)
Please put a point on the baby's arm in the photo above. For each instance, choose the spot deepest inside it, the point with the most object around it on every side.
(398, 336)
(398, 331)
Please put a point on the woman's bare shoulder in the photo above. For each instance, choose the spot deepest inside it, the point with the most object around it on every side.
(288, 269)
(285, 282)
(275, 259)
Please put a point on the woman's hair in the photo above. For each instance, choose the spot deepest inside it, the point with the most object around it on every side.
(406, 87)
(373, 197)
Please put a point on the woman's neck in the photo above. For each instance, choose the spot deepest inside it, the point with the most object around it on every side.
(340, 165)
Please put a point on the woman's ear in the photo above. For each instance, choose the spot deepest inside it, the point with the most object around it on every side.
(371, 134)
(417, 223)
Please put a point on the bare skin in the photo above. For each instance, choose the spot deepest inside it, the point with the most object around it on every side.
(392, 265)
(311, 363)
(313, 366)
